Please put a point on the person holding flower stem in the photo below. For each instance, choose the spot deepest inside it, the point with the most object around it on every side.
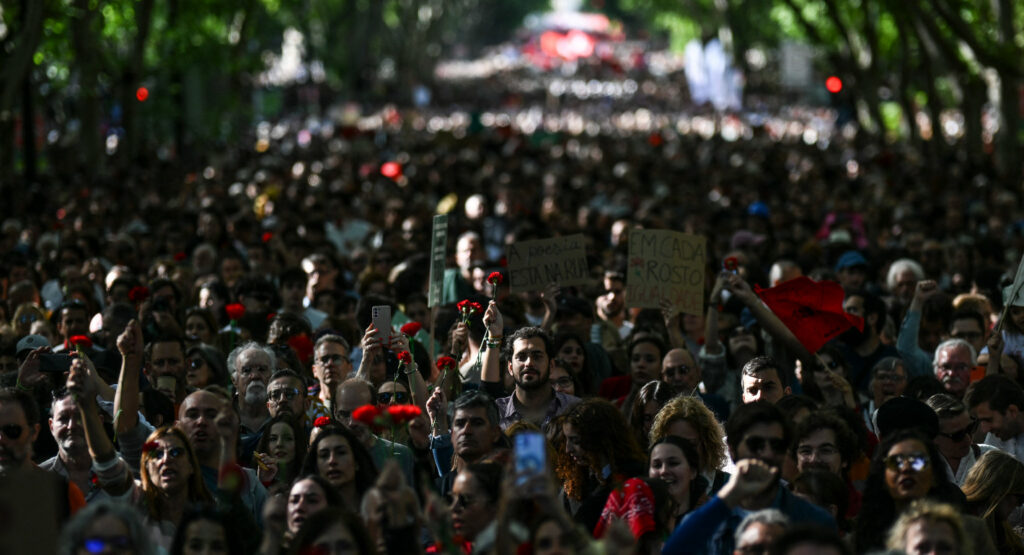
(529, 353)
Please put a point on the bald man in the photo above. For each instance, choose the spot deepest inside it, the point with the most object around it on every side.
(679, 369)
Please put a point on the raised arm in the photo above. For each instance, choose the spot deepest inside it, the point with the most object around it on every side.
(126, 400)
(101, 449)
(712, 345)
(490, 370)
(768, 320)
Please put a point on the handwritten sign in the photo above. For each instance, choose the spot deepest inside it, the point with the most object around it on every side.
(666, 265)
(534, 264)
(438, 250)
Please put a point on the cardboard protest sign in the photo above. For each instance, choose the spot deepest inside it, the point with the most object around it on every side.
(534, 264)
(438, 250)
(666, 265)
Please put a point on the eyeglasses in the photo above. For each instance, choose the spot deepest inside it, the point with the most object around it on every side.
(963, 434)
(757, 444)
(171, 452)
(27, 318)
(385, 398)
(329, 359)
(681, 370)
(564, 381)
(12, 431)
(282, 393)
(196, 363)
(917, 462)
(99, 544)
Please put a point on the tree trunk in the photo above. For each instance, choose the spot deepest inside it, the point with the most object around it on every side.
(83, 38)
(14, 75)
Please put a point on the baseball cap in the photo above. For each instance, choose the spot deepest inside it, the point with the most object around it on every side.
(31, 342)
(851, 259)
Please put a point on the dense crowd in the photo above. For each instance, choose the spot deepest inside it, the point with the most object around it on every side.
(208, 357)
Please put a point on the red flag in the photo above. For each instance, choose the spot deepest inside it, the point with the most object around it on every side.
(812, 310)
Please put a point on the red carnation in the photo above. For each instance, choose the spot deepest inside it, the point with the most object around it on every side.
(302, 346)
(81, 341)
(271, 316)
(138, 294)
(494, 278)
(180, 256)
(732, 263)
(267, 236)
(403, 413)
(411, 328)
(445, 363)
(149, 446)
(367, 414)
(235, 311)
(405, 357)
(321, 421)
(475, 307)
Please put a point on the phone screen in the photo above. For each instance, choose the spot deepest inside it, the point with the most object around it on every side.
(531, 455)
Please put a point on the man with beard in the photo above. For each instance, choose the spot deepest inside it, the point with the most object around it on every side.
(758, 437)
(682, 373)
(862, 349)
(251, 366)
(954, 361)
(956, 436)
(825, 442)
(996, 402)
(529, 357)
(286, 394)
(611, 306)
(529, 353)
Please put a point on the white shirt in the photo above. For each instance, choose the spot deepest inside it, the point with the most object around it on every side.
(960, 476)
(1013, 446)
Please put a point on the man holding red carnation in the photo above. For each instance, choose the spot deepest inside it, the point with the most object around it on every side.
(529, 354)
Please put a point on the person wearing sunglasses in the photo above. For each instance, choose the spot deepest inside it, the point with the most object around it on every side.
(105, 527)
(956, 436)
(286, 394)
(758, 437)
(907, 468)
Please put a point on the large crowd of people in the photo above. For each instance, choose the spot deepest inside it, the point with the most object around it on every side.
(201, 366)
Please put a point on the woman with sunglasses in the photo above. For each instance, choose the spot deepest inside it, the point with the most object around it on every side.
(170, 475)
(907, 467)
(281, 450)
(205, 365)
(105, 527)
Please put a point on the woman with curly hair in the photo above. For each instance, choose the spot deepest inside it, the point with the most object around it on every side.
(994, 488)
(604, 453)
(653, 395)
(688, 418)
(337, 455)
